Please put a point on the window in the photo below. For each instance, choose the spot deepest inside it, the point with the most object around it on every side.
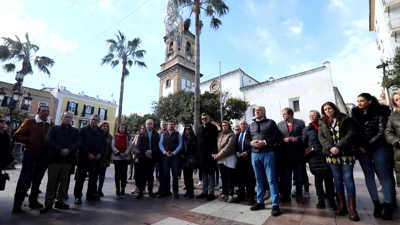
(167, 83)
(25, 107)
(102, 113)
(73, 123)
(214, 86)
(43, 104)
(6, 101)
(188, 47)
(254, 112)
(72, 107)
(296, 106)
(188, 83)
(87, 111)
(83, 123)
(171, 47)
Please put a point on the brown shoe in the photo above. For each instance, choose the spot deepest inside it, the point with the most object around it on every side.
(342, 209)
(16, 209)
(353, 215)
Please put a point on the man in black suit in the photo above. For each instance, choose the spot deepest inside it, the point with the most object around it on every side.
(245, 172)
(290, 155)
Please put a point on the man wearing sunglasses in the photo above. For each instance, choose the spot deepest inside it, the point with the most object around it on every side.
(32, 134)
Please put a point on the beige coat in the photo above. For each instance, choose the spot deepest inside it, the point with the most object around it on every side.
(226, 144)
(114, 152)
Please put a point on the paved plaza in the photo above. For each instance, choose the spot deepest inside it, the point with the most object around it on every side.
(127, 210)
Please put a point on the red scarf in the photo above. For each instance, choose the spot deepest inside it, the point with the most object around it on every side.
(121, 142)
(315, 125)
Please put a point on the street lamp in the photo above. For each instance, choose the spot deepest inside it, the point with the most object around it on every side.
(383, 66)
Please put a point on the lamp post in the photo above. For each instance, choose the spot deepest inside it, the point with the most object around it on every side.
(383, 66)
(16, 95)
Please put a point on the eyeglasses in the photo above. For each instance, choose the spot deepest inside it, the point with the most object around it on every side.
(188, 128)
(2, 121)
(204, 118)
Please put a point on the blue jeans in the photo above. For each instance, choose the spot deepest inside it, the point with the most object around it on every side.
(343, 173)
(170, 163)
(264, 163)
(34, 165)
(380, 158)
(102, 176)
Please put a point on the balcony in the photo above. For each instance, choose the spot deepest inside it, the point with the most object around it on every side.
(390, 5)
(378, 45)
(394, 26)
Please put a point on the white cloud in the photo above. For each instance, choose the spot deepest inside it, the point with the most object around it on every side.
(56, 41)
(287, 22)
(77, 7)
(348, 32)
(360, 23)
(106, 5)
(297, 51)
(335, 3)
(65, 2)
(91, 7)
(295, 30)
(76, 80)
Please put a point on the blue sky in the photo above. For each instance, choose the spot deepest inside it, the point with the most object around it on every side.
(262, 37)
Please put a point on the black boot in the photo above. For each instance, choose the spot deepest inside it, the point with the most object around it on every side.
(117, 188)
(321, 204)
(387, 211)
(187, 193)
(191, 194)
(377, 209)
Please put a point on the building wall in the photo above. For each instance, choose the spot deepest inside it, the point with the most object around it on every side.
(65, 97)
(51, 103)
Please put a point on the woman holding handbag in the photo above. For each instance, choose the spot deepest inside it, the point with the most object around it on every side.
(190, 159)
(318, 166)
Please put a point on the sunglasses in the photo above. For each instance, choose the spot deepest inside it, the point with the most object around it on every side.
(203, 119)
(2, 121)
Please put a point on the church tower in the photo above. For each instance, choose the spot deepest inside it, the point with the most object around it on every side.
(177, 71)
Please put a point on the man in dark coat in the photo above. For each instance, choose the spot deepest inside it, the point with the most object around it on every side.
(290, 155)
(149, 152)
(93, 144)
(207, 135)
(244, 169)
(63, 142)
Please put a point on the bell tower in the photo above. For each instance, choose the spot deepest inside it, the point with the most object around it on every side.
(177, 71)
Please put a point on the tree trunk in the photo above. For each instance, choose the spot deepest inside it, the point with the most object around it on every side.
(121, 93)
(197, 68)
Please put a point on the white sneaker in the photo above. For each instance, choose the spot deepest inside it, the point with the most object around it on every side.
(306, 194)
(294, 193)
(200, 183)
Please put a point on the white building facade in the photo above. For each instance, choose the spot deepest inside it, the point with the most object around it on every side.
(384, 19)
(302, 92)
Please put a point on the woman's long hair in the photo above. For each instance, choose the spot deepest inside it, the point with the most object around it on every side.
(325, 118)
(397, 107)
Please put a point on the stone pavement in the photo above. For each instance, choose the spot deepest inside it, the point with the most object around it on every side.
(127, 210)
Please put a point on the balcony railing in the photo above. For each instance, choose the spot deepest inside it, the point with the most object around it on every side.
(394, 25)
(385, 2)
(388, 4)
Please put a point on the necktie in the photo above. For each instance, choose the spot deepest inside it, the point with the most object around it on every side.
(241, 140)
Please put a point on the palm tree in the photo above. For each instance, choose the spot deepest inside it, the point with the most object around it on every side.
(211, 8)
(25, 51)
(128, 52)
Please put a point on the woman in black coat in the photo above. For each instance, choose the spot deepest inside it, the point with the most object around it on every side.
(373, 151)
(318, 166)
(189, 156)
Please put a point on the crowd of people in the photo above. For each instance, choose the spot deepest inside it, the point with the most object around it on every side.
(263, 159)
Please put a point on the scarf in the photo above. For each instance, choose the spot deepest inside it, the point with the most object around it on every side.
(315, 125)
(121, 142)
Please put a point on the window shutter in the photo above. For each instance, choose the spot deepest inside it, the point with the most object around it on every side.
(67, 107)
(76, 109)
(84, 109)
(98, 112)
(92, 110)
(105, 115)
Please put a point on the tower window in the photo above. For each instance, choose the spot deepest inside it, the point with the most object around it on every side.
(167, 83)
(188, 47)
(171, 46)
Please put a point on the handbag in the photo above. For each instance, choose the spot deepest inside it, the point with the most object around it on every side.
(3, 178)
(192, 159)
